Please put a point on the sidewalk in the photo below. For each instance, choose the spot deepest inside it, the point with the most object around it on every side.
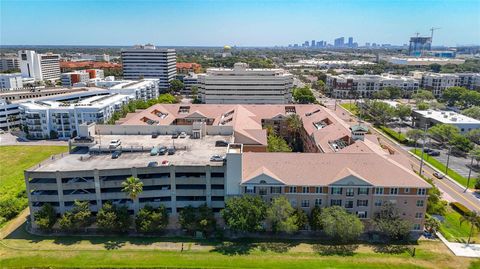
(461, 249)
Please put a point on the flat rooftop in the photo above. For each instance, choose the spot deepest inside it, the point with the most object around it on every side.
(448, 117)
(191, 152)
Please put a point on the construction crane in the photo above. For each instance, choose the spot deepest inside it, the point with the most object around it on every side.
(417, 34)
(432, 30)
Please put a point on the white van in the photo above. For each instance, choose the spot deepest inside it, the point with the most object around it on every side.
(114, 143)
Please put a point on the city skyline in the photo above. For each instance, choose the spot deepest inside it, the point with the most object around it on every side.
(241, 23)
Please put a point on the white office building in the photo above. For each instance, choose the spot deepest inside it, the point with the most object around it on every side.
(11, 81)
(147, 61)
(70, 78)
(243, 85)
(350, 86)
(144, 89)
(39, 66)
(8, 63)
(9, 115)
(432, 117)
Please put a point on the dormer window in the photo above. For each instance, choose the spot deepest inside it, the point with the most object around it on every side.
(290, 110)
(184, 109)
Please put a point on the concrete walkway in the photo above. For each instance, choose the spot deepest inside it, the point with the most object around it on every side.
(461, 249)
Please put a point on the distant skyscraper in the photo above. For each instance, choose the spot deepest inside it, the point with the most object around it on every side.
(350, 42)
(418, 45)
(306, 44)
(339, 42)
(313, 43)
(39, 66)
(319, 44)
(367, 44)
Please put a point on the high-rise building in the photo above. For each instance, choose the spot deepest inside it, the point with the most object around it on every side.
(147, 61)
(8, 63)
(11, 81)
(313, 43)
(350, 42)
(39, 66)
(339, 42)
(418, 45)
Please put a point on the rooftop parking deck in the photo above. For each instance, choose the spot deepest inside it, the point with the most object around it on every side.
(136, 153)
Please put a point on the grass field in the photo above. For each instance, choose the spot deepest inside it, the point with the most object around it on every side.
(14, 160)
(21, 249)
(453, 231)
(440, 166)
(352, 107)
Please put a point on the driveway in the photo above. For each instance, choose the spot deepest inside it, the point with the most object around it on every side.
(9, 139)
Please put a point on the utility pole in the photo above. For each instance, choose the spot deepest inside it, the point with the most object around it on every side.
(423, 147)
(469, 174)
(448, 159)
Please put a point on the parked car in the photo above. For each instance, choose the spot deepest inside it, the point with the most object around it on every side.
(154, 151)
(427, 150)
(221, 143)
(165, 162)
(114, 143)
(116, 154)
(216, 158)
(182, 135)
(171, 150)
(154, 135)
(175, 135)
(152, 164)
(438, 175)
(434, 153)
(162, 150)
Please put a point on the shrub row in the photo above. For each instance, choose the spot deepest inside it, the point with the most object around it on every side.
(395, 135)
(460, 208)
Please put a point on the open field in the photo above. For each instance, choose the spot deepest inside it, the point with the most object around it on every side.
(453, 231)
(352, 107)
(21, 249)
(440, 166)
(14, 160)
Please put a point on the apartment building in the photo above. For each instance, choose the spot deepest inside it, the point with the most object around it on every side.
(9, 115)
(189, 81)
(39, 66)
(353, 171)
(349, 86)
(147, 61)
(11, 81)
(81, 76)
(437, 83)
(8, 62)
(144, 89)
(243, 85)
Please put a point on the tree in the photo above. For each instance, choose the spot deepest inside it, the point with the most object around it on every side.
(340, 225)
(133, 187)
(436, 105)
(432, 224)
(422, 106)
(381, 94)
(280, 215)
(166, 98)
(474, 220)
(423, 95)
(301, 218)
(473, 112)
(394, 92)
(244, 213)
(151, 220)
(435, 204)
(79, 218)
(314, 220)
(303, 95)
(443, 132)
(461, 143)
(435, 68)
(389, 222)
(414, 135)
(176, 85)
(197, 219)
(294, 126)
(475, 153)
(187, 218)
(453, 94)
(381, 112)
(319, 85)
(276, 143)
(46, 217)
(403, 111)
(113, 219)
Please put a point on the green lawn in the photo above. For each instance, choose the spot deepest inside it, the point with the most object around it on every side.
(21, 249)
(440, 166)
(352, 107)
(399, 137)
(453, 231)
(14, 160)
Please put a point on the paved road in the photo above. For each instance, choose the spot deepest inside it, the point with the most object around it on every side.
(451, 191)
(8, 139)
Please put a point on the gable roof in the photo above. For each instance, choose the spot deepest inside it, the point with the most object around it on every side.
(262, 171)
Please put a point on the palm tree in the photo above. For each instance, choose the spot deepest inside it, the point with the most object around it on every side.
(294, 126)
(474, 220)
(133, 187)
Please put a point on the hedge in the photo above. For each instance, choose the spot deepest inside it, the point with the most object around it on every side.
(395, 135)
(459, 208)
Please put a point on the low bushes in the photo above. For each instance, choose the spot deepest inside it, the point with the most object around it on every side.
(395, 135)
(460, 208)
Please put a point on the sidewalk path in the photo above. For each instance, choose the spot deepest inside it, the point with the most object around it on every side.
(14, 223)
(461, 249)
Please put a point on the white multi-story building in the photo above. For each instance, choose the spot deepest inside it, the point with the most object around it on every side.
(51, 119)
(431, 117)
(242, 85)
(39, 66)
(70, 78)
(349, 86)
(189, 81)
(438, 82)
(9, 114)
(139, 90)
(11, 81)
(150, 62)
(8, 63)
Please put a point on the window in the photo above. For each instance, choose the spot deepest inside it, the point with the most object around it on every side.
(418, 215)
(378, 203)
(363, 191)
(318, 202)
(336, 190)
(293, 190)
(421, 191)
(305, 203)
(275, 189)
(407, 190)
(420, 203)
(378, 191)
(393, 191)
(318, 189)
(348, 204)
(362, 202)
(249, 189)
(293, 202)
(335, 202)
(349, 192)
(262, 190)
(304, 189)
(416, 227)
(362, 214)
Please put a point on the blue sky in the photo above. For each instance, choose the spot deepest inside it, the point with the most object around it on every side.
(234, 22)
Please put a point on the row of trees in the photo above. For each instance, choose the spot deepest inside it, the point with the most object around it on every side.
(381, 113)
(461, 97)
